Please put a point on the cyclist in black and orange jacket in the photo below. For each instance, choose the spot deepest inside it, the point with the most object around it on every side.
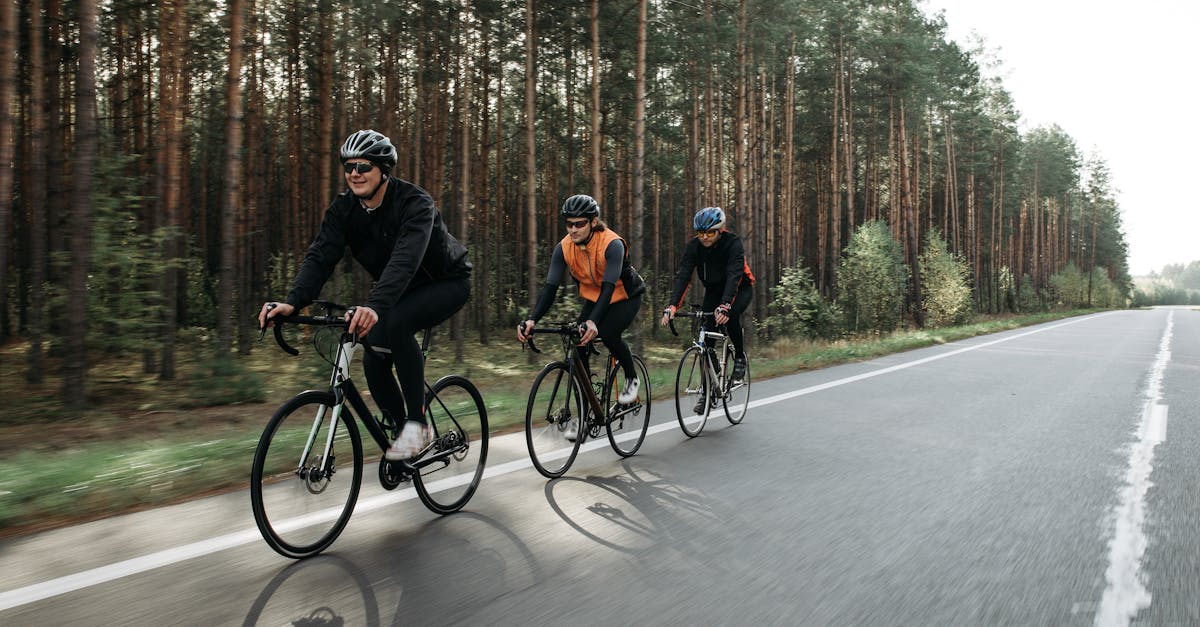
(611, 288)
(719, 259)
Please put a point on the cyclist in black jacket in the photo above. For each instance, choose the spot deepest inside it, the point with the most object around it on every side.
(421, 273)
(719, 259)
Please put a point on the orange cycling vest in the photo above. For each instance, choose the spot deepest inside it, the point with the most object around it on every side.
(587, 264)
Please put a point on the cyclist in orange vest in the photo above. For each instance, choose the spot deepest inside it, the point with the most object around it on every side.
(611, 288)
(719, 259)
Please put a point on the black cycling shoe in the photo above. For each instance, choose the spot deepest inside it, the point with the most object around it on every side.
(739, 369)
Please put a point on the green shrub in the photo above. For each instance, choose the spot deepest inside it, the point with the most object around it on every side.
(945, 279)
(872, 279)
(1069, 287)
(799, 309)
(1028, 299)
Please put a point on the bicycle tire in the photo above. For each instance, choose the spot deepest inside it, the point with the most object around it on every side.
(455, 410)
(737, 393)
(293, 507)
(627, 431)
(691, 389)
(555, 404)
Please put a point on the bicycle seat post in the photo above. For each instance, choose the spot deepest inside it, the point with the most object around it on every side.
(426, 340)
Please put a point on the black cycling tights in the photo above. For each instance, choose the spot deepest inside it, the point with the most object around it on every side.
(741, 302)
(420, 308)
(618, 318)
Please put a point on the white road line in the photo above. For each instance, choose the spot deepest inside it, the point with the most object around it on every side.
(78, 581)
(1126, 593)
(909, 364)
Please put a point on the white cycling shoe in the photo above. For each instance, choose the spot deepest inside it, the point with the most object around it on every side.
(630, 392)
(413, 439)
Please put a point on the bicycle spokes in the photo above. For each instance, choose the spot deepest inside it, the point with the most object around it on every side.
(458, 451)
(553, 420)
(302, 506)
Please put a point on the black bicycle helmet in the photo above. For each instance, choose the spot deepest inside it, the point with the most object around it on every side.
(372, 146)
(580, 206)
(709, 218)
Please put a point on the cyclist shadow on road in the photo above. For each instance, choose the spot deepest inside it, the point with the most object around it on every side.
(639, 511)
(444, 571)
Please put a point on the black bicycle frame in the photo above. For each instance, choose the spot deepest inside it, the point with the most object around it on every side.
(343, 389)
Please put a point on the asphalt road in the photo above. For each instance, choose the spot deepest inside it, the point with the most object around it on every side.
(1038, 476)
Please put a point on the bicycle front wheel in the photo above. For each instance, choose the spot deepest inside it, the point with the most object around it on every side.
(692, 405)
(554, 420)
(301, 496)
(450, 472)
(737, 392)
(627, 423)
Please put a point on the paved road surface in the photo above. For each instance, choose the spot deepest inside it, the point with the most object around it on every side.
(1039, 476)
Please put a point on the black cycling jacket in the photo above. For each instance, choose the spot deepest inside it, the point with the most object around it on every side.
(722, 267)
(402, 243)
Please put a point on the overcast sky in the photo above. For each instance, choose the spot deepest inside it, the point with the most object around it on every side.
(1121, 78)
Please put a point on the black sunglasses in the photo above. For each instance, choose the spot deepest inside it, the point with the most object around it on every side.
(361, 168)
(577, 224)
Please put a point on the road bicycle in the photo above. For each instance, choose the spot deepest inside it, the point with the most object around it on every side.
(568, 400)
(704, 381)
(309, 462)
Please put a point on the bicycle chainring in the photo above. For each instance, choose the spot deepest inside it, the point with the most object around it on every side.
(391, 474)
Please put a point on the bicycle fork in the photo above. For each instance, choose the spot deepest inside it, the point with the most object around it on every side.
(316, 476)
(323, 471)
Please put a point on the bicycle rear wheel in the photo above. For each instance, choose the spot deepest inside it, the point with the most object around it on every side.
(627, 424)
(691, 393)
(737, 393)
(450, 472)
(302, 498)
(555, 410)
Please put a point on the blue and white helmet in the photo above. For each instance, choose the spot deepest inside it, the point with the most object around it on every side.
(709, 218)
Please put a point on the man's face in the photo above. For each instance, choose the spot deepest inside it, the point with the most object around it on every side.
(707, 237)
(361, 183)
(579, 229)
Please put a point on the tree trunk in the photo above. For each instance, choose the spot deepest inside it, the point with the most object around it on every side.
(75, 364)
(835, 180)
(250, 242)
(638, 207)
(464, 181)
(740, 193)
(37, 195)
(1092, 262)
(531, 253)
(292, 219)
(227, 294)
(57, 141)
(787, 202)
(8, 73)
(910, 211)
(324, 180)
(172, 47)
(483, 202)
(596, 140)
